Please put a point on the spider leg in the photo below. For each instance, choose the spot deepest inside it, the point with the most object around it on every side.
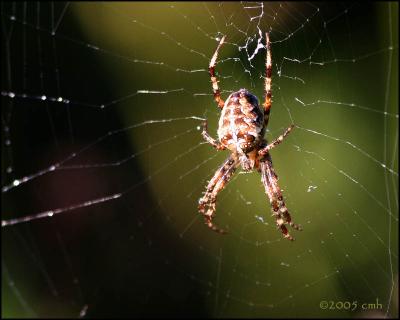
(268, 75)
(280, 211)
(277, 141)
(214, 81)
(217, 183)
(210, 139)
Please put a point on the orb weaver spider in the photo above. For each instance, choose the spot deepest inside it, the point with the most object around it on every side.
(241, 129)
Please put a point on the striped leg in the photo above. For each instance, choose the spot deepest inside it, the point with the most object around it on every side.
(280, 211)
(211, 69)
(277, 141)
(210, 139)
(267, 86)
(217, 183)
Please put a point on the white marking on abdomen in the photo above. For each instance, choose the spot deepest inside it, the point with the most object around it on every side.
(232, 127)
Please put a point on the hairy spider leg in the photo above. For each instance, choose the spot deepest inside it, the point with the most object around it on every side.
(273, 177)
(216, 144)
(273, 200)
(211, 69)
(270, 181)
(268, 79)
(217, 183)
(275, 142)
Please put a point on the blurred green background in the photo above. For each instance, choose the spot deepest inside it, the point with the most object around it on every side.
(148, 253)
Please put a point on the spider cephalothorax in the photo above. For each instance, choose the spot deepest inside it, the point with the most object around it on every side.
(241, 130)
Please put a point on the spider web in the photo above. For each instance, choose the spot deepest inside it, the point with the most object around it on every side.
(103, 162)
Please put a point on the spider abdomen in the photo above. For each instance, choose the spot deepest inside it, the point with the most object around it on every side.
(241, 126)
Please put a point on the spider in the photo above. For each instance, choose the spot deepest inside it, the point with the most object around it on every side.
(241, 129)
